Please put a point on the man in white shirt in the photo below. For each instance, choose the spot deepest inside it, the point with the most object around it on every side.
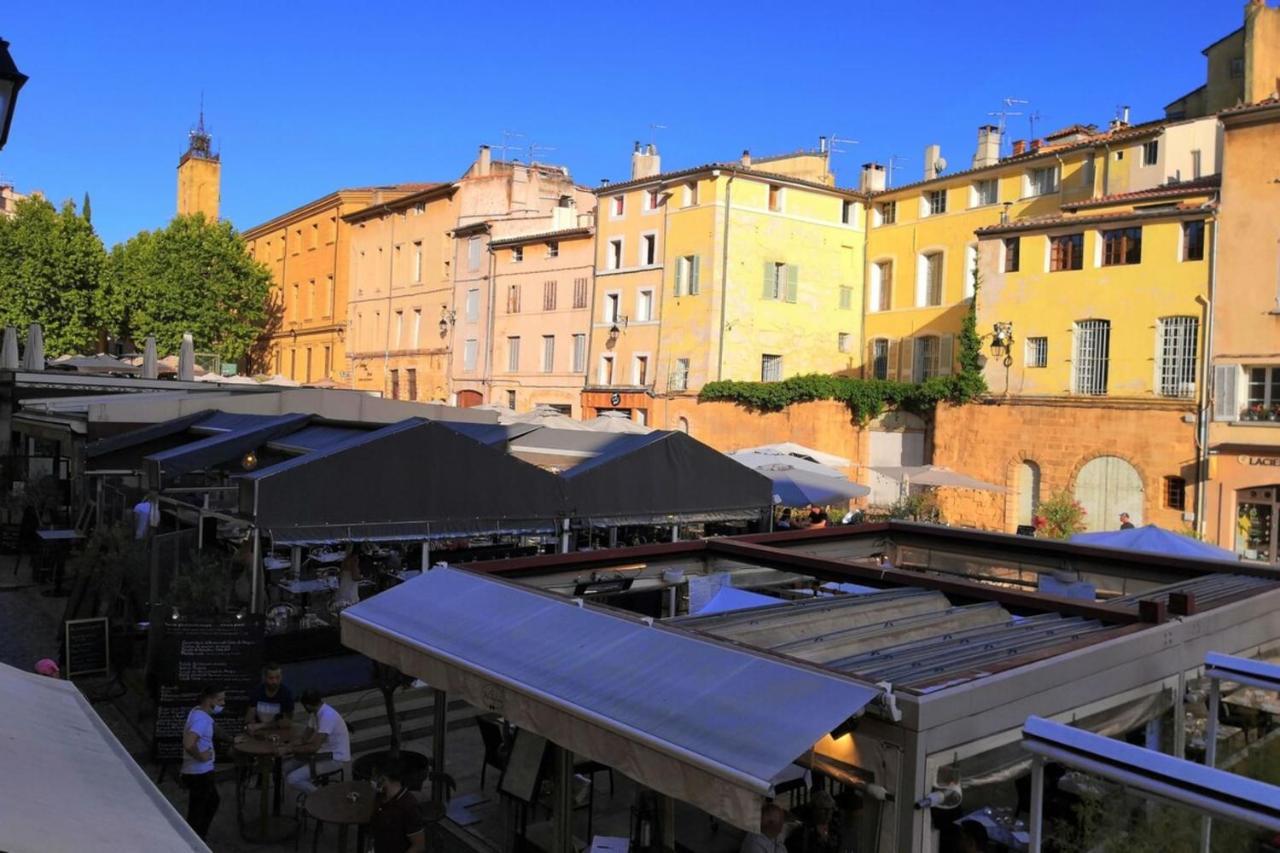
(198, 757)
(770, 838)
(326, 739)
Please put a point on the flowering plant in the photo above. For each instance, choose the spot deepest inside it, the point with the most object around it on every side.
(1059, 516)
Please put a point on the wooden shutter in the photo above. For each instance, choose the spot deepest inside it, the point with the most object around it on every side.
(770, 280)
(891, 367)
(695, 269)
(906, 363)
(793, 282)
(679, 276)
(945, 346)
(869, 365)
(1226, 405)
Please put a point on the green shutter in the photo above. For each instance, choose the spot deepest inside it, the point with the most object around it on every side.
(793, 282)
(770, 280)
(694, 271)
(679, 276)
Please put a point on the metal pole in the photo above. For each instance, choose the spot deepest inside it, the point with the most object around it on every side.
(440, 721)
(255, 574)
(667, 820)
(295, 561)
(1180, 718)
(1210, 755)
(426, 554)
(562, 801)
(1037, 805)
(675, 533)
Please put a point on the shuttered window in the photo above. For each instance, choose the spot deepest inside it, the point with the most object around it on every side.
(781, 281)
(513, 354)
(688, 275)
(549, 295)
(846, 298)
(548, 353)
(513, 299)
(580, 292)
(579, 353)
(929, 280)
(1226, 392)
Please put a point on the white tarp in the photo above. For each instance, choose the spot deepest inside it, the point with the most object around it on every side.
(690, 717)
(66, 783)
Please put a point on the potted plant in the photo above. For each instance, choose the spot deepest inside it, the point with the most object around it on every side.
(1061, 515)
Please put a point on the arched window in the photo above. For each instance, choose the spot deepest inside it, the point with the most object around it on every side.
(1028, 485)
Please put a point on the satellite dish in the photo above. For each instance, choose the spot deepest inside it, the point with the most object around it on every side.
(940, 164)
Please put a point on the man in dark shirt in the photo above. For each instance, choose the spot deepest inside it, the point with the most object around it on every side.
(396, 825)
(271, 702)
(1125, 523)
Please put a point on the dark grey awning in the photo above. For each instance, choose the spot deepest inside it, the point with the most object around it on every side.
(219, 448)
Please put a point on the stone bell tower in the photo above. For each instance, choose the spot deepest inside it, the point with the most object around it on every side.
(199, 175)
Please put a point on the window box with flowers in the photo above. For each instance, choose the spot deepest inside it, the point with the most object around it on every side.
(1261, 412)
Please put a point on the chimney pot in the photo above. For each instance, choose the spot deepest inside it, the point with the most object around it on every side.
(988, 153)
(822, 144)
(872, 177)
(484, 161)
(932, 153)
(1036, 143)
(645, 162)
(746, 157)
(637, 148)
(1019, 147)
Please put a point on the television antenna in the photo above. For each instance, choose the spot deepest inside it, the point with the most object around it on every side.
(535, 150)
(894, 163)
(1007, 112)
(507, 136)
(1031, 120)
(653, 132)
(834, 140)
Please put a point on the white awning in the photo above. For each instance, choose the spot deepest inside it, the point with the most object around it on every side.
(68, 784)
(691, 717)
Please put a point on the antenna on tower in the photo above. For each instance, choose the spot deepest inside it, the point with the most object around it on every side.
(535, 149)
(1032, 118)
(653, 132)
(200, 143)
(507, 136)
(835, 140)
(1006, 112)
(894, 161)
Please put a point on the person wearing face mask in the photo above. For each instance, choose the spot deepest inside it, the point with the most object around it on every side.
(396, 825)
(198, 758)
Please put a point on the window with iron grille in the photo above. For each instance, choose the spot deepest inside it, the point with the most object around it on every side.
(1176, 368)
(579, 353)
(1193, 240)
(770, 368)
(937, 201)
(548, 353)
(580, 292)
(927, 352)
(1012, 253)
(549, 295)
(880, 358)
(846, 298)
(1066, 252)
(680, 375)
(1175, 493)
(513, 299)
(1121, 246)
(1037, 352)
(888, 212)
(513, 354)
(1091, 357)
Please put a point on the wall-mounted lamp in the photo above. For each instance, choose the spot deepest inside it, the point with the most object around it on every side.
(620, 323)
(249, 461)
(447, 319)
(1002, 342)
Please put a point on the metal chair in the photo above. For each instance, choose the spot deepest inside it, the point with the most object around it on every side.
(496, 748)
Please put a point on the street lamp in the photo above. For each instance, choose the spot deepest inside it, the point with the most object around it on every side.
(447, 319)
(11, 80)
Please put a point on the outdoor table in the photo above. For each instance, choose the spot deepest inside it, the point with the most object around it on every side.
(332, 803)
(267, 755)
(55, 543)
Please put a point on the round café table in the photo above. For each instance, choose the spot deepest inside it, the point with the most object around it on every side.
(266, 747)
(344, 804)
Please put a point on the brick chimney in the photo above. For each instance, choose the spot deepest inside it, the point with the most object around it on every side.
(1019, 147)
(932, 154)
(645, 162)
(988, 153)
(484, 162)
(1035, 144)
(872, 178)
(746, 158)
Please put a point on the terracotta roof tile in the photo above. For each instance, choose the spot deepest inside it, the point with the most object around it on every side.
(561, 233)
(738, 168)
(1185, 188)
(1055, 220)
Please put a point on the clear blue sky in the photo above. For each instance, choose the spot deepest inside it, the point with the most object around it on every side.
(303, 99)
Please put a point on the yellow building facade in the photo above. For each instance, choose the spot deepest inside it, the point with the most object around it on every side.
(307, 251)
(1241, 67)
(727, 271)
(921, 242)
(199, 176)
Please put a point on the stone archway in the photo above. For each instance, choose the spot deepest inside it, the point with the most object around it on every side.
(467, 399)
(1026, 483)
(1107, 486)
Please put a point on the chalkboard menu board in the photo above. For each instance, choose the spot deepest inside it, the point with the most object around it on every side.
(87, 646)
(197, 651)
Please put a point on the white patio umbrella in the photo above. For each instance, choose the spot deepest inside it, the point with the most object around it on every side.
(617, 422)
(757, 460)
(9, 352)
(790, 448)
(548, 417)
(505, 415)
(936, 475)
(187, 359)
(150, 369)
(33, 356)
(793, 487)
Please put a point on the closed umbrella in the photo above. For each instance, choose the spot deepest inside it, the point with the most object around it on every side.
(33, 358)
(617, 422)
(793, 487)
(790, 448)
(150, 369)
(758, 460)
(187, 359)
(936, 475)
(9, 352)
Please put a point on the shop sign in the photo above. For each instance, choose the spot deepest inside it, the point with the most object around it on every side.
(1271, 461)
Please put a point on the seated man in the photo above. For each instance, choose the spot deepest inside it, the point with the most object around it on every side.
(770, 838)
(396, 825)
(324, 747)
(271, 702)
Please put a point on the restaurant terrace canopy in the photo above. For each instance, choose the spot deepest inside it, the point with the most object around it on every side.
(68, 783)
(694, 718)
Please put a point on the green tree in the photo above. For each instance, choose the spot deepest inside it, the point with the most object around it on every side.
(192, 276)
(85, 210)
(50, 265)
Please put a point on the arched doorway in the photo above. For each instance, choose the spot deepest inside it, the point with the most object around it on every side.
(467, 399)
(1107, 486)
(1028, 486)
